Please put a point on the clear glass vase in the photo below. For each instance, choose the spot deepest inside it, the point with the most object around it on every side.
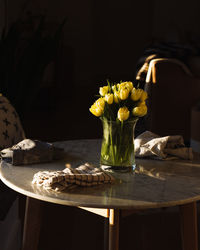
(117, 149)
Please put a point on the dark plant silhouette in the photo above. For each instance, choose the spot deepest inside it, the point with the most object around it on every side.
(25, 51)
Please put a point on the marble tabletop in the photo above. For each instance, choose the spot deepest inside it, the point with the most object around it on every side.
(155, 183)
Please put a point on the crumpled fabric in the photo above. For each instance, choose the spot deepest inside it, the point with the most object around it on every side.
(151, 145)
(30, 152)
(85, 175)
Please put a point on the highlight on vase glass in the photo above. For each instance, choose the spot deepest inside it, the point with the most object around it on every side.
(119, 106)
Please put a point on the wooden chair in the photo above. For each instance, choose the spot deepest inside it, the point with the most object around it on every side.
(171, 97)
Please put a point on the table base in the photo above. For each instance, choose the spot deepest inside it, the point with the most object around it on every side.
(33, 216)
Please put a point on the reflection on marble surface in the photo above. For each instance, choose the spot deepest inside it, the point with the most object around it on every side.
(154, 183)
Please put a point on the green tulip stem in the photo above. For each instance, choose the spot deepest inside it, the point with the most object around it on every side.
(118, 143)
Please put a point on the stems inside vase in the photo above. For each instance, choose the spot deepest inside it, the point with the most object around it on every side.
(117, 148)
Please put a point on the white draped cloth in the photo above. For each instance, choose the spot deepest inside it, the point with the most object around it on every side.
(169, 147)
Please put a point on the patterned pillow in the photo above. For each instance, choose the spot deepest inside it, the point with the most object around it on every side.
(11, 131)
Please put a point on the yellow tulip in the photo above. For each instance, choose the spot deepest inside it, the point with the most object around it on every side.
(103, 90)
(98, 107)
(114, 88)
(129, 85)
(136, 94)
(95, 110)
(124, 93)
(141, 104)
(119, 86)
(123, 114)
(109, 98)
(116, 97)
(143, 96)
(100, 103)
(140, 110)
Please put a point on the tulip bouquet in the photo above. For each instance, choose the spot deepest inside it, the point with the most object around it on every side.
(119, 106)
(120, 101)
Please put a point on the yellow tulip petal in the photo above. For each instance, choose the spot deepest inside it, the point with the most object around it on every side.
(143, 96)
(136, 94)
(100, 102)
(123, 114)
(103, 90)
(123, 94)
(140, 111)
(95, 110)
(116, 97)
(109, 98)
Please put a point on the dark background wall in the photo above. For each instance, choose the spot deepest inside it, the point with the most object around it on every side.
(101, 40)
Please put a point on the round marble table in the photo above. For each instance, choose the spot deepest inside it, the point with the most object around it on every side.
(154, 184)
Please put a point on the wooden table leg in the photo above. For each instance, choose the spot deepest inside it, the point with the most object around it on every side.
(188, 215)
(32, 224)
(113, 229)
(106, 230)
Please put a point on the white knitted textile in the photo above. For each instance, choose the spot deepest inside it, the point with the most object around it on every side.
(84, 175)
